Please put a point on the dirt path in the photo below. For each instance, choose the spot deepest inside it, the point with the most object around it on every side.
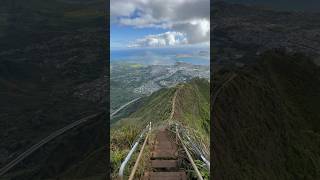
(173, 107)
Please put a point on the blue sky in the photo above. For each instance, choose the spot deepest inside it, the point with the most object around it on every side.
(122, 35)
(159, 23)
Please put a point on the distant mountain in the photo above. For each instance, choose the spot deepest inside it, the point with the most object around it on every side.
(266, 120)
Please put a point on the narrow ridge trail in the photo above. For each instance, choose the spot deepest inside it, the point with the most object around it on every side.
(174, 103)
(164, 154)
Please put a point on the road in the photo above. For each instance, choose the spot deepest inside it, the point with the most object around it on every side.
(35, 147)
(123, 106)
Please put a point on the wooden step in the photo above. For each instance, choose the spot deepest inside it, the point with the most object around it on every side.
(164, 159)
(165, 176)
(164, 144)
(168, 164)
(163, 154)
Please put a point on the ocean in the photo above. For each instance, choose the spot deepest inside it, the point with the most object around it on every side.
(162, 56)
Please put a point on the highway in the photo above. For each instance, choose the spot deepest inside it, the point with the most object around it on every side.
(123, 106)
(53, 135)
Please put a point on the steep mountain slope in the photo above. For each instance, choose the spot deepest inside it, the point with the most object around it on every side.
(52, 73)
(155, 108)
(192, 108)
(266, 120)
(80, 153)
(187, 103)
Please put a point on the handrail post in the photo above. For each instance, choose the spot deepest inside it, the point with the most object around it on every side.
(177, 133)
(139, 156)
(124, 163)
(149, 131)
(199, 152)
(191, 160)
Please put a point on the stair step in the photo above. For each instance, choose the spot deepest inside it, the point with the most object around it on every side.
(163, 155)
(168, 164)
(165, 176)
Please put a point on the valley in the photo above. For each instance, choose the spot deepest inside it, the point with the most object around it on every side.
(129, 81)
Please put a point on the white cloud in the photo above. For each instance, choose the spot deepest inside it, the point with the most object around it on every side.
(189, 17)
(198, 31)
(170, 38)
(120, 8)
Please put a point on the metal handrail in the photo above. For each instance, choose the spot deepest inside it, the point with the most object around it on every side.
(139, 156)
(189, 157)
(200, 154)
(124, 163)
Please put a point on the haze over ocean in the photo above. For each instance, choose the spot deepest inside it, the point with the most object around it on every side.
(162, 56)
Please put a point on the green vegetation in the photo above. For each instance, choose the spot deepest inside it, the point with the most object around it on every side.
(192, 109)
(156, 108)
(121, 85)
(120, 95)
(129, 80)
(136, 65)
(124, 132)
(266, 123)
(52, 73)
(121, 142)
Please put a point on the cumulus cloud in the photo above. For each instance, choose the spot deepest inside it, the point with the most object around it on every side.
(198, 31)
(160, 40)
(188, 17)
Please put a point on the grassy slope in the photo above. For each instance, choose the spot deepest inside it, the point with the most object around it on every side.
(266, 123)
(193, 107)
(157, 108)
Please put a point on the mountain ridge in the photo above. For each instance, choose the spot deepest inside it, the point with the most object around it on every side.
(266, 120)
(159, 108)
